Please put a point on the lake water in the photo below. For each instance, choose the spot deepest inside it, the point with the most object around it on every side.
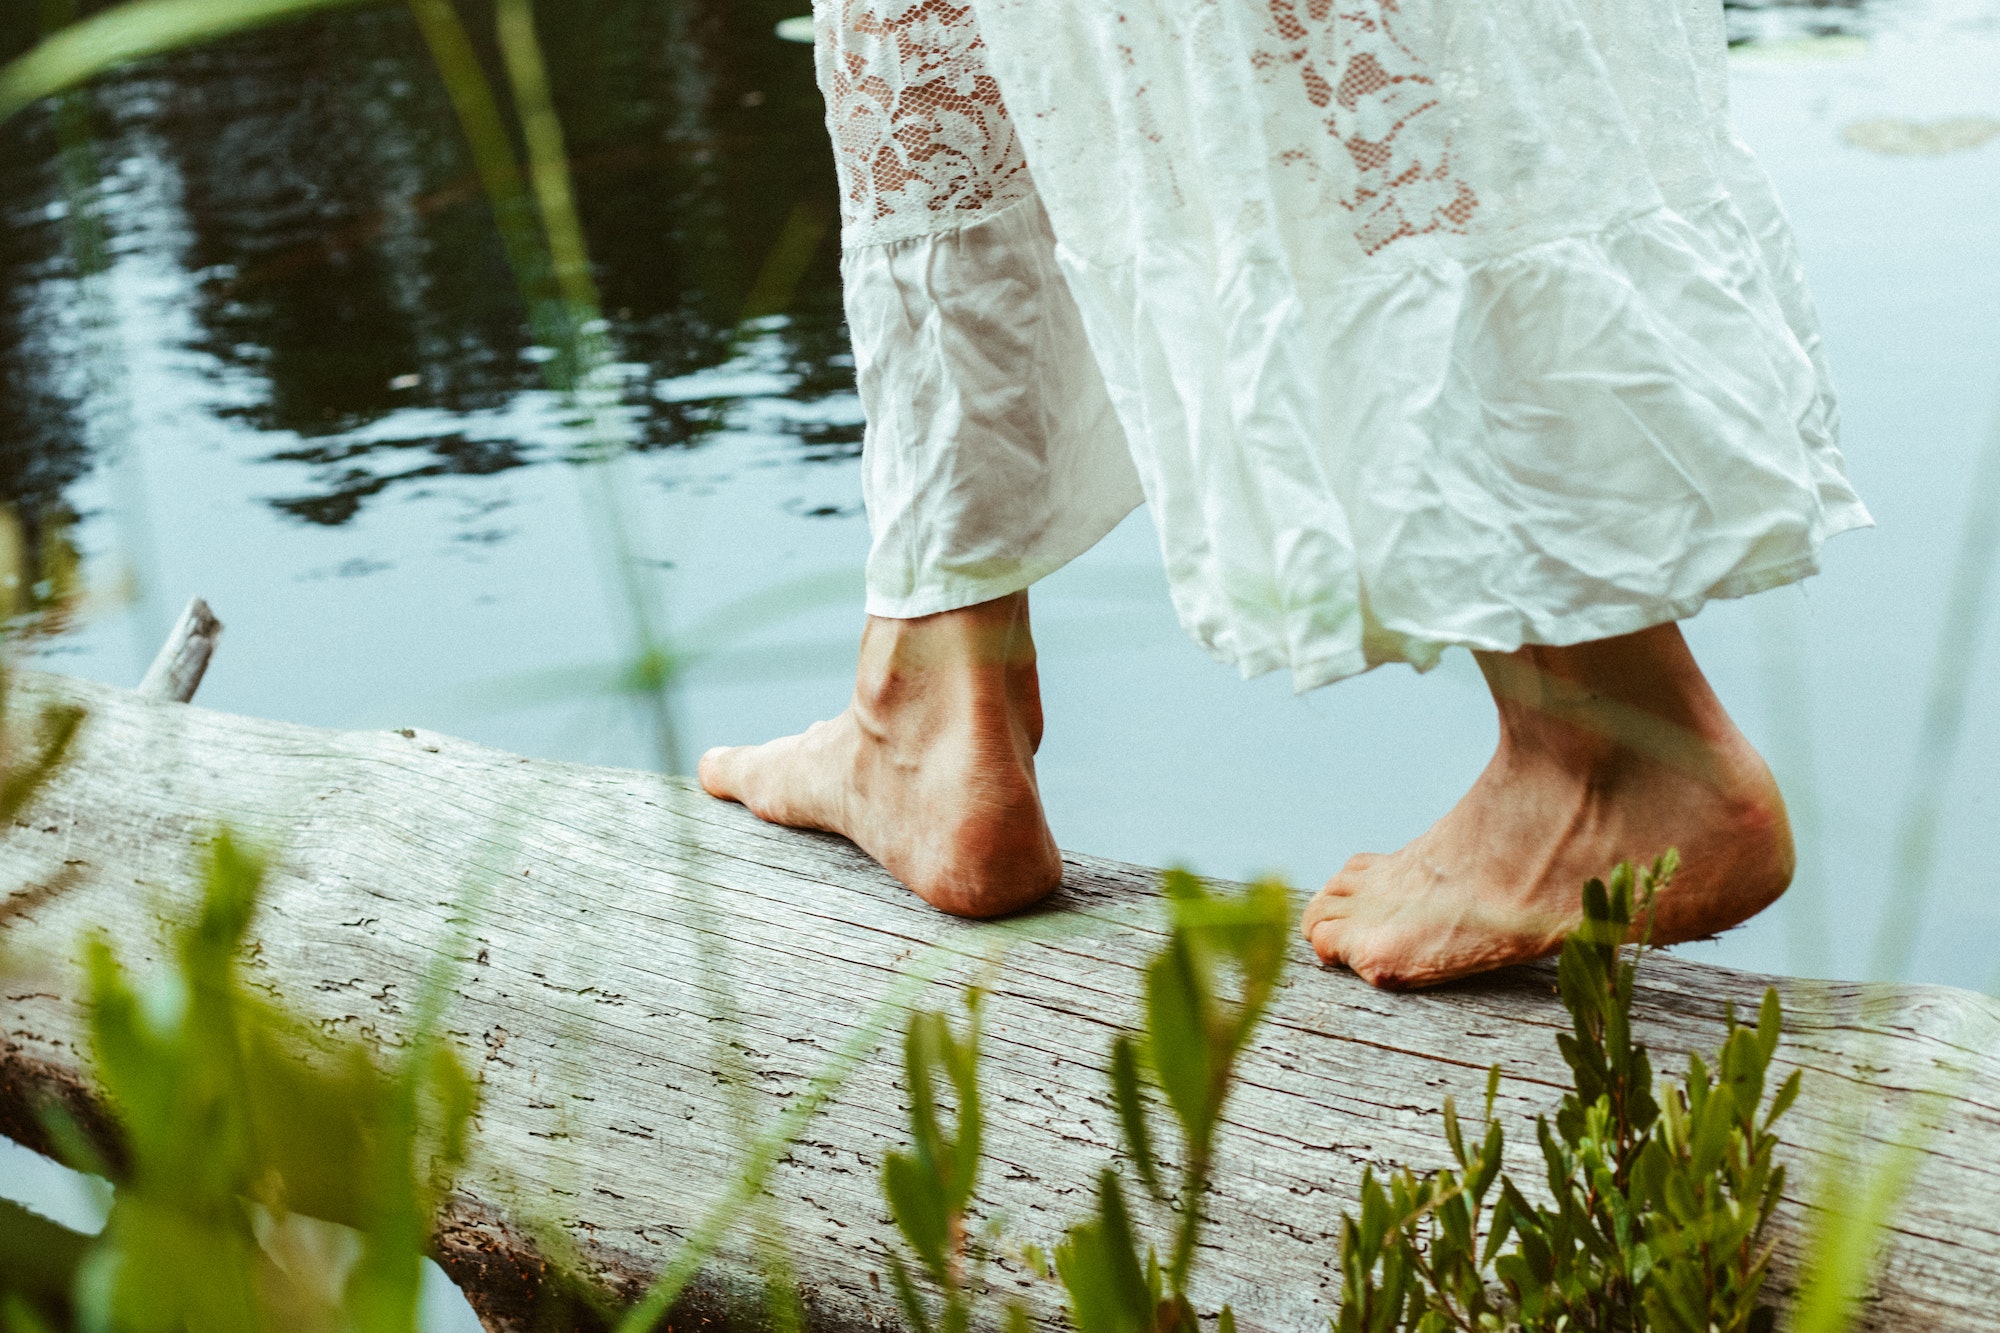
(300, 387)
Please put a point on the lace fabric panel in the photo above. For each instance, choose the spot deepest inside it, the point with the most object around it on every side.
(920, 132)
(1377, 100)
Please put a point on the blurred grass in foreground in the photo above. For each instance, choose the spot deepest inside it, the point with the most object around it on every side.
(265, 1177)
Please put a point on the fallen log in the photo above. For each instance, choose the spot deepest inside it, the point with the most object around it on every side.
(622, 906)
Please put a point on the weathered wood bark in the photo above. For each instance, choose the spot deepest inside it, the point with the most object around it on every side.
(588, 1001)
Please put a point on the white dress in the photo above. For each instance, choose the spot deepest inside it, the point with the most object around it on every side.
(1416, 322)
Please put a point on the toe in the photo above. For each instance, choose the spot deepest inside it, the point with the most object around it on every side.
(1336, 899)
(1385, 975)
(1328, 918)
(1342, 941)
(1327, 936)
(718, 772)
(1326, 905)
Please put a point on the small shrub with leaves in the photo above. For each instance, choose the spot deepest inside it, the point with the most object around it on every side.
(1661, 1196)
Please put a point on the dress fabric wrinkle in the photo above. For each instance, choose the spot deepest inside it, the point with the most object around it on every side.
(1417, 323)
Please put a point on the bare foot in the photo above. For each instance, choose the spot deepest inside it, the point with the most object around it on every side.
(931, 770)
(1609, 751)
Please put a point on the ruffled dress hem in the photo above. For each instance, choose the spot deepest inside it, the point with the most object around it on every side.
(1579, 439)
(1424, 655)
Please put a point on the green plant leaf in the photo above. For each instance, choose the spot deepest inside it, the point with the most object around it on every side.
(1037, 1260)
(1452, 1135)
(39, 1260)
(961, 1061)
(1129, 1097)
(1178, 1013)
(1770, 1023)
(70, 1144)
(1788, 1092)
(918, 1206)
(922, 1039)
(19, 783)
(929, 1188)
(1099, 1268)
(18, 1316)
(1492, 1151)
(1138, 1290)
(907, 1296)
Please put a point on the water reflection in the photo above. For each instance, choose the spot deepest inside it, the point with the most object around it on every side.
(43, 448)
(1791, 20)
(348, 285)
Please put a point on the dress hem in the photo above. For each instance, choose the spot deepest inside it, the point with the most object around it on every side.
(956, 593)
(1608, 623)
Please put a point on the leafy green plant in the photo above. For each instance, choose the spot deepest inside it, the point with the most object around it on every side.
(265, 1178)
(1195, 1030)
(1661, 1196)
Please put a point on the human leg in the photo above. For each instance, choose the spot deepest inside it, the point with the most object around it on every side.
(992, 456)
(1613, 750)
(931, 769)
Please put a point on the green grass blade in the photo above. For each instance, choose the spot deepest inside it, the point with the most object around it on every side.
(776, 1141)
(548, 161)
(486, 136)
(1782, 663)
(132, 32)
(771, 1147)
(1845, 1240)
(586, 349)
(1967, 606)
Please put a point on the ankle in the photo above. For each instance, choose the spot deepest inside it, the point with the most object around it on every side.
(975, 660)
(1651, 670)
(1596, 707)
